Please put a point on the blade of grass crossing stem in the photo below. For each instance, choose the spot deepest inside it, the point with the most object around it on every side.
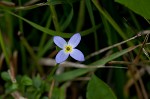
(90, 11)
(110, 20)
(43, 29)
(52, 32)
(67, 20)
(108, 31)
(43, 39)
(45, 48)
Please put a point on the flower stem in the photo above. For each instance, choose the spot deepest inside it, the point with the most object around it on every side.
(50, 77)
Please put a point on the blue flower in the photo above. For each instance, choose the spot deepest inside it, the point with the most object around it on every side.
(68, 48)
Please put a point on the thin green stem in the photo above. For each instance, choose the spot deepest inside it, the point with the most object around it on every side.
(109, 18)
(135, 20)
(4, 49)
(81, 15)
(20, 21)
(50, 77)
(89, 7)
(43, 39)
(9, 28)
(107, 30)
(54, 17)
(23, 55)
(31, 52)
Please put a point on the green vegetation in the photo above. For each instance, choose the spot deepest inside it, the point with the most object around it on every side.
(114, 41)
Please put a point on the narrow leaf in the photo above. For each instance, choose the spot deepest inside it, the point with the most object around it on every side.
(68, 20)
(52, 32)
(71, 74)
(114, 56)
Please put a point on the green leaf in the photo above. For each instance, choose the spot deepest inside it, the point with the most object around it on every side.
(97, 89)
(71, 74)
(140, 7)
(5, 76)
(11, 88)
(52, 32)
(56, 93)
(25, 80)
(45, 97)
(37, 81)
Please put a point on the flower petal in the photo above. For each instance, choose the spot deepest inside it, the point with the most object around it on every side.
(75, 40)
(61, 56)
(77, 55)
(59, 41)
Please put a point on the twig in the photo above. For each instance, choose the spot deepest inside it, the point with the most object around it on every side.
(141, 33)
(131, 81)
(6, 3)
(51, 89)
(51, 62)
(82, 79)
(135, 61)
(31, 2)
(1, 60)
(15, 94)
(31, 6)
(134, 69)
(129, 63)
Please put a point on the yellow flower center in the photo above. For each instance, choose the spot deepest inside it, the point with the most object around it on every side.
(68, 48)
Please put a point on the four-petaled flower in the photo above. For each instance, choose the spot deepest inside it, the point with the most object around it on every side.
(68, 48)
